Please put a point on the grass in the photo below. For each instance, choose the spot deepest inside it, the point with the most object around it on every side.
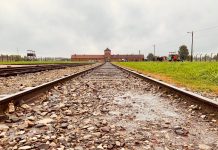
(37, 62)
(199, 76)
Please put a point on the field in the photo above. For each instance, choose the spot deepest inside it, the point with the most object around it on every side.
(199, 76)
(37, 62)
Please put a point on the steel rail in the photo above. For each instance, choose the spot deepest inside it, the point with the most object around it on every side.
(29, 94)
(193, 96)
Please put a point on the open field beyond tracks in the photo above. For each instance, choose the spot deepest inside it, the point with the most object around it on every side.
(200, 76)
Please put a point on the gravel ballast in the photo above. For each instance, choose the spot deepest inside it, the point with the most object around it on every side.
(109, 109)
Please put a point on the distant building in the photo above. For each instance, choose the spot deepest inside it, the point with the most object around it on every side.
(31, 55)
(107, 57)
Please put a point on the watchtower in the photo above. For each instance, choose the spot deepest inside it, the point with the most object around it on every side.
(31, 55)
(107, 54)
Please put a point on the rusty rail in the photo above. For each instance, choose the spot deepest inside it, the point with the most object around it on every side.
(28, 94)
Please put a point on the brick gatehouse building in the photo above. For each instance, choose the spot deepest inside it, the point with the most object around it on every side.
(107, 57)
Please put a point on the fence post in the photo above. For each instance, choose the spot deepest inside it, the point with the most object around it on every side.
(211, 56)
(217, 57)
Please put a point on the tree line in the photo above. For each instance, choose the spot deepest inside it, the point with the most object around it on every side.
(183, 54)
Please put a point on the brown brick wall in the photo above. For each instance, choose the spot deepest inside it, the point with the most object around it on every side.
(107, 57)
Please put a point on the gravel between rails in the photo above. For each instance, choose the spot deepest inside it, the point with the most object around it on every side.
(108, 109)
(9, 85)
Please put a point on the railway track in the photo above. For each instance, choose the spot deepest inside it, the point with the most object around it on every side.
(204, 101)
(5, 72)
(107, 108)
(32, 93)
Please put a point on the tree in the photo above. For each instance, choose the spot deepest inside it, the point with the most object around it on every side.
(215, 57)
(150, 57)
(183, 52)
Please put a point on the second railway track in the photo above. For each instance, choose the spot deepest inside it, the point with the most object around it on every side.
(12, 71)
(109, 109)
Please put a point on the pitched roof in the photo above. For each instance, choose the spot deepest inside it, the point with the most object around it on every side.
(107, 49)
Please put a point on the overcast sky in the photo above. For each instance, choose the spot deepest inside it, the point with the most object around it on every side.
(65, 27)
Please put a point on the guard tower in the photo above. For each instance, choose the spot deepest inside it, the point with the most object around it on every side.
(31, 55)
(107, 55)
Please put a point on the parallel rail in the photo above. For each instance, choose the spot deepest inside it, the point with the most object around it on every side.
(195, 97)
(5, 72)
(29, 94)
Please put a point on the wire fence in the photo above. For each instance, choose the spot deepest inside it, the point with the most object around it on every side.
(9, 58)
(205, 57)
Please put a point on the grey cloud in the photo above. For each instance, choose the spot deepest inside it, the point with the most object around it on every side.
(64, 27)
